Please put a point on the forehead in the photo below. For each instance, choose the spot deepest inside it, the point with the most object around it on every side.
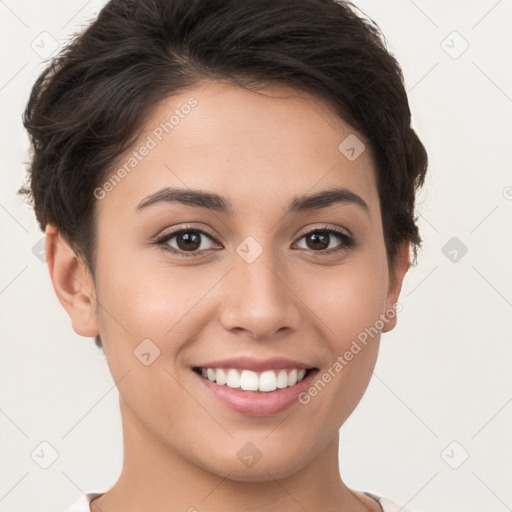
(254, 147)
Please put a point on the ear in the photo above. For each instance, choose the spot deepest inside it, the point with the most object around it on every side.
(72, 282)
(400, 267)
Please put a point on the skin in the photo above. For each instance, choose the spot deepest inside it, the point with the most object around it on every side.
(180, 444)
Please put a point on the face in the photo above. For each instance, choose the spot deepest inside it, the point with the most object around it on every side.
(259, 276)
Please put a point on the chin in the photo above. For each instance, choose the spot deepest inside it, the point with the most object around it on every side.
(276, 465)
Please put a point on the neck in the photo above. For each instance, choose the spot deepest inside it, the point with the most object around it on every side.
(156, 478)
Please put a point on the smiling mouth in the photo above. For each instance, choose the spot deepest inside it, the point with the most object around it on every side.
(249, 380)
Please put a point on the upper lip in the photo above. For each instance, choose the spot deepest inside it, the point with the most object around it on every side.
(257, 365)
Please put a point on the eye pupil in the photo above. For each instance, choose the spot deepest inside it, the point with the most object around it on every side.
(192, 240)
(319, 236)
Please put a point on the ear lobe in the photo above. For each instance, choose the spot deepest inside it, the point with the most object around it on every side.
(400, 268)
(72, 282)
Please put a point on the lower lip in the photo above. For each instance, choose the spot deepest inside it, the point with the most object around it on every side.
(257, 403)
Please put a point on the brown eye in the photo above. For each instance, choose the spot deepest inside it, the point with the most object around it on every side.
(318, 240)
(186, 242)
(324, 240)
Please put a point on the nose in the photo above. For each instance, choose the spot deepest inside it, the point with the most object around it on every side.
(258, 299)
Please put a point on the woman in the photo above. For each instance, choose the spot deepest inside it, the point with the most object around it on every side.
(227, 191)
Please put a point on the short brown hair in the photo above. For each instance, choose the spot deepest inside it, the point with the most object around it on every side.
(88, 105)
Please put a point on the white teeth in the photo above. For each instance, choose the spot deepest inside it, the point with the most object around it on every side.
(282, 379)
(248, 380)
(233, 378)
(220, 377)
(268, 381)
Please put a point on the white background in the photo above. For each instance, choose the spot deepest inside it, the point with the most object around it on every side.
(443, 373)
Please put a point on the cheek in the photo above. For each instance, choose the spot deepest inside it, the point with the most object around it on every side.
(348, 299)
(150, 299)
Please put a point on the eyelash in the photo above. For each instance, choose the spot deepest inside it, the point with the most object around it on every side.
(347, 241)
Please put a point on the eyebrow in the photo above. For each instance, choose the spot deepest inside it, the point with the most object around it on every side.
(217, 203)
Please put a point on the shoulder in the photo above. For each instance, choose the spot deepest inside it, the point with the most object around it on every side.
(387, 504)
(82, 504)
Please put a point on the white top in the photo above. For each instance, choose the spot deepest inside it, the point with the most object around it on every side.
(82, 505)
